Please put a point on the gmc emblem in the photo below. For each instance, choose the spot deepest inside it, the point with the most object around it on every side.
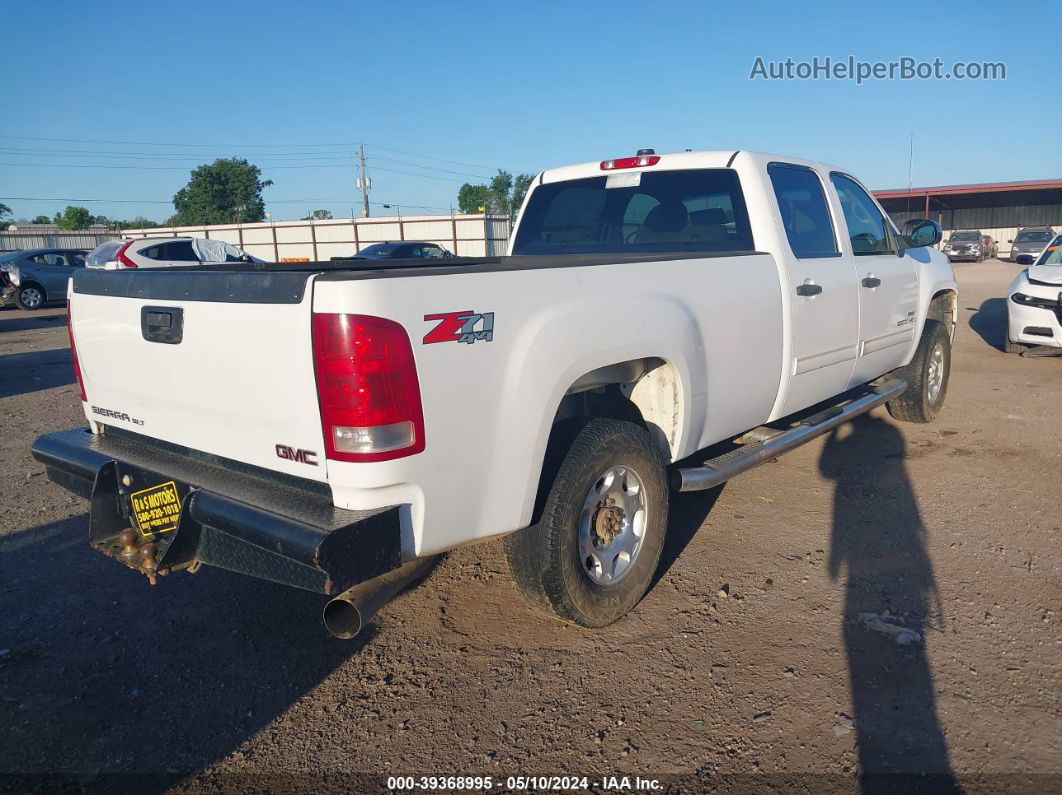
(300, 456)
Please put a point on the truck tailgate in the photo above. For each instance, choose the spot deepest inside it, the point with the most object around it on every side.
(212, 360)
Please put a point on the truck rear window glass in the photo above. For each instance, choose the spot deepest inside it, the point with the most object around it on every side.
(667, 211)
(805, 216)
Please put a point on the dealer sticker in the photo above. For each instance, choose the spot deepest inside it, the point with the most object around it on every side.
(630, 179)
(156, 510)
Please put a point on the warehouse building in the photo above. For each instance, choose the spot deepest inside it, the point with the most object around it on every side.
(998, 209)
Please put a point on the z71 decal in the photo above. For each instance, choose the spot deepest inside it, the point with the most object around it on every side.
(461, 327)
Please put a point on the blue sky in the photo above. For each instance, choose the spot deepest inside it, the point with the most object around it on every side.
(488, 85)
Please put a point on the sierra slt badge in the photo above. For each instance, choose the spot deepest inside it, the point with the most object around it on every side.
(299, 456)
(116, 415)
(466, 326)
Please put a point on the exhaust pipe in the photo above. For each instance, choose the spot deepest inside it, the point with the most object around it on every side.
(347, 614)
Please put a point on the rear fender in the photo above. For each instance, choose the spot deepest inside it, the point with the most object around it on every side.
(566, 341)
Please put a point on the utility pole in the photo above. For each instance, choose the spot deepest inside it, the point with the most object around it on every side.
(363, 181)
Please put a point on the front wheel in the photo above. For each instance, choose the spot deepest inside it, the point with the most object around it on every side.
(29, 297)
(591, 556)
(927, 377)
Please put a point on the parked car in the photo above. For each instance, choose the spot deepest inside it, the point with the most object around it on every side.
(164, 252)
(39, 276)
(965, 244)
(406, 249)
(335, 428)
(989, 246)
(1030, 241)
(1034, 303)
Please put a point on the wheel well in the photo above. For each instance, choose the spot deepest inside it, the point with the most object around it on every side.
(33, 283)
(944, 307)
(644, 391)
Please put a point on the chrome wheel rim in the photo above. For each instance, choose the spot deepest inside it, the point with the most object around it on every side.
(935, 377)
(31, 297)
(612, 525)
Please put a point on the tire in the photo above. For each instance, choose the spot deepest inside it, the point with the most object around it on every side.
(30, 297)
(1011, 347)
(927, 377)
(548, 560)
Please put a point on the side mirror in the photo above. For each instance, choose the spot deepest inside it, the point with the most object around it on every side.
(1010, 241)
(921, 232)
(1025, 259)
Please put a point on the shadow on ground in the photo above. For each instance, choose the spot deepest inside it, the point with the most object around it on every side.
(30, 372)
(878, 547)
(687, 513)
(990, 321)
(16, 320)
(106, 674)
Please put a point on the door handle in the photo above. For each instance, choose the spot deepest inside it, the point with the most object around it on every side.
(162, 324)
(872, 282)
(808, 289)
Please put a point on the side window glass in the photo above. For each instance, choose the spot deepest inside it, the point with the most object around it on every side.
(180, 251)
(805, 215)
(153, 252)
(867, 227)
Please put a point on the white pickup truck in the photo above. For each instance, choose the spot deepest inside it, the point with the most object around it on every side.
(661, 322)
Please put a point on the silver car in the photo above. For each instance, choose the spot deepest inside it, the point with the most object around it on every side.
(1030, 241)
(38, 276)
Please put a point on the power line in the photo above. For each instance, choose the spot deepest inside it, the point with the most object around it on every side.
(427, 157)
(185, 144)
(169, 168)
(333, 199)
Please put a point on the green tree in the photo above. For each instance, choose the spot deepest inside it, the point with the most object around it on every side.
(74, 218)
(318, 215)
(5, 213)
(502, 196)
(140, 222)
(471, 198)
(229, 190)
(521, 185)
(41, 219)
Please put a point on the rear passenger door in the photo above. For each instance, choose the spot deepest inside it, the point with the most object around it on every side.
(823, 301)
(888, 282)
(54, 272)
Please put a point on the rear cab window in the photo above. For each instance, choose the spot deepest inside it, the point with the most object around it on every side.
(688, 210)
(803, 209)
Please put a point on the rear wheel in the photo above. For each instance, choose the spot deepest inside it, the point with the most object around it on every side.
(927, 377)
(591, 556)
(29, 297)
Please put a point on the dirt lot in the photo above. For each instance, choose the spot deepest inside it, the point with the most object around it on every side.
(749, 656)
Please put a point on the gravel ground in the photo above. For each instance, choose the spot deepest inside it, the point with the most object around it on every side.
(760, 650)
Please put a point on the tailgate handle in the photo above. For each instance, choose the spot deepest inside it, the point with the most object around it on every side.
(162, 324)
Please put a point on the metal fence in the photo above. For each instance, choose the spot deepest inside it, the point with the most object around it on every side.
(22, 240)
(306, 240)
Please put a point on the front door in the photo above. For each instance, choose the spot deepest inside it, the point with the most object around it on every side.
(823, 299)
(888, 283)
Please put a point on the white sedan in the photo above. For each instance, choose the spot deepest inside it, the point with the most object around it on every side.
(1034, 303)
(164, 252)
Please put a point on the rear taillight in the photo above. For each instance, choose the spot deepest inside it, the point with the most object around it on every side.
(122, 259)
(367, 388)
(630, 162)
(73, 353)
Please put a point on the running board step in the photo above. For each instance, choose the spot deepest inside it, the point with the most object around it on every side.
(721, 468)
